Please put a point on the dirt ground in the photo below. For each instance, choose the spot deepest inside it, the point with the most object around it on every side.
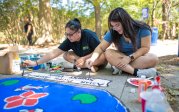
(170, 65)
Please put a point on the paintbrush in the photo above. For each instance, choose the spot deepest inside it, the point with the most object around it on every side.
(23, 68)
(89, 74)
(78, 68)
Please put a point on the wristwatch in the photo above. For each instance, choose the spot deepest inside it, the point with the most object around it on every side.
(131, 57)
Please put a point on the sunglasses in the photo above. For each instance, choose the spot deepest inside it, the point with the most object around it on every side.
(70, 34)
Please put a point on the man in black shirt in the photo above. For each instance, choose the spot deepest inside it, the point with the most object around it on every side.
(28, 29)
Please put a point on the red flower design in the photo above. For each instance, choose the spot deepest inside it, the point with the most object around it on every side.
(29, 98)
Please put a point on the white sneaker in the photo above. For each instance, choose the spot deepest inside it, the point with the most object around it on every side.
(116, 70)
(150, 72)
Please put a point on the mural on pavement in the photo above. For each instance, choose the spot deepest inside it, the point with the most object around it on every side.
(31, 95)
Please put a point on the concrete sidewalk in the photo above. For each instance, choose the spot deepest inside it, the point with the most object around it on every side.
(119, 86)
(164, 48)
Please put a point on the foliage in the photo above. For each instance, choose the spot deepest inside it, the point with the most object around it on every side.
(11, 22)
(8, 19)
(13, 11)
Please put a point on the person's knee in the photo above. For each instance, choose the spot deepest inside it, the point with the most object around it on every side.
(70, 56)
(100, 61)
(153, 59)
(65, 56)
(102, 58)
(107, 54)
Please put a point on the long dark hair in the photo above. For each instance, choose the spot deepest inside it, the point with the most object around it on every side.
(73, 24)
(130, 26)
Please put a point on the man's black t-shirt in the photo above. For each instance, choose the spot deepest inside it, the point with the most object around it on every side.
(88, 42)
(26, 28)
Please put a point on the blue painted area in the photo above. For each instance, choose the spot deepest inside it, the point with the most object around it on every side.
(60, 97)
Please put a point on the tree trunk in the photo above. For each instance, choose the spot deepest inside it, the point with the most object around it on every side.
(164, 21)
(45, 22)
(173, 31)
(166, 5)
(153, 12)
(97, 8)
(97, 20)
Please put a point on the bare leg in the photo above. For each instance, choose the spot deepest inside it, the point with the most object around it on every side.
(71, 56)
(146, 61)
(113, 56)
(100, 61)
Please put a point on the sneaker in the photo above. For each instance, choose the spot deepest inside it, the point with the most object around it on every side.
(150, 72)
(116, 70)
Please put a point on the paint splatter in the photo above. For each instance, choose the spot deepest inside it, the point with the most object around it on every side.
(85, 98)
(9, 82)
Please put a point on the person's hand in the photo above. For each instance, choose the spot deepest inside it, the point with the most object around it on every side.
(89, 62)
(123, 61)
(29, 63)
(80, 62)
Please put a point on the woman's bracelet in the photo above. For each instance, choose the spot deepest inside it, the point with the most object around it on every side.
(36, 63)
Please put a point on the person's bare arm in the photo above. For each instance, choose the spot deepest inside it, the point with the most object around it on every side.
(81, 60)
(51, 55)
(100, 49)
(145, 47)
(87, 56)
